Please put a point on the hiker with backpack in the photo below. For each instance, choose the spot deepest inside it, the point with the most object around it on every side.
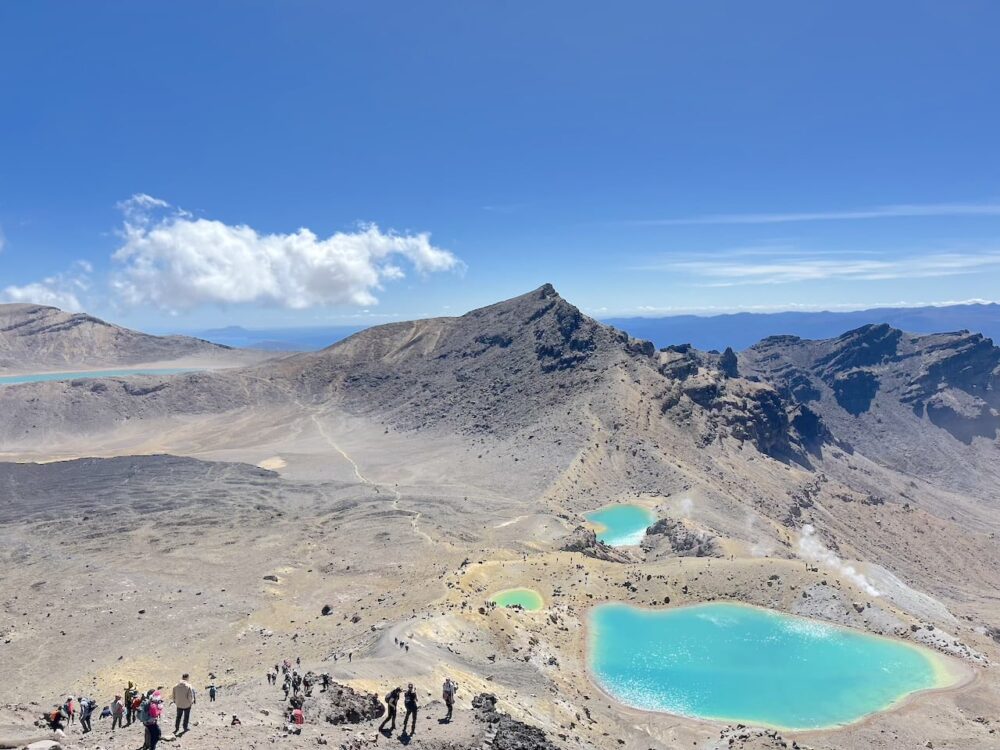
(87, 706)
(133, 707)
(391, 701)
(410, 704)
(70, 709)
(55, 718)
(149, 714)
(129, 698)
(448, 694)
(183, 698)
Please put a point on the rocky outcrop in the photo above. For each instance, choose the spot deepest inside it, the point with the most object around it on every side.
(507, 733)
(681, 538)
(584, 541)
(728, 364)
(862, 347)
(340, 704)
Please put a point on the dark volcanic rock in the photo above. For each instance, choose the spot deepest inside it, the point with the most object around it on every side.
(728, 363)
(342, 705)
(510, 734)
(862, 347)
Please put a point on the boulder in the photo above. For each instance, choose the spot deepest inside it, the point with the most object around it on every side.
(341, 704)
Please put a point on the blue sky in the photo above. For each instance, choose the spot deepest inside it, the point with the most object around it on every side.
(186, 164)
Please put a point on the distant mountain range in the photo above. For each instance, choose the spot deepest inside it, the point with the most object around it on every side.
(707, 332)
(742, 330)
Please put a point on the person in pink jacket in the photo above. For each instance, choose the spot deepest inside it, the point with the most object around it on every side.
(154, 712)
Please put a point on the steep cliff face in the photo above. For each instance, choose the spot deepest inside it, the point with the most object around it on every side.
(746, 410)
(909, 400)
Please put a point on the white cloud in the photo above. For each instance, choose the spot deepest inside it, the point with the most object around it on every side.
(877, 212)
(61, 290)
(174, 261)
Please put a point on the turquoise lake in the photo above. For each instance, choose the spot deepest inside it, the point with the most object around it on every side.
(49, 376)
(730, 662)
(621, 525)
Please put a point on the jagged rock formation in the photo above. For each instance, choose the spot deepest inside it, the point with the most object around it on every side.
(680, 539)
(37, 337)
(910, 401)
(584, 541)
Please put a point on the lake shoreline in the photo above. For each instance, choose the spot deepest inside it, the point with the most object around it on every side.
(950, 674)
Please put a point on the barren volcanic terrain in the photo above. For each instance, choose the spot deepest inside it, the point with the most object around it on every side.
(357, 508)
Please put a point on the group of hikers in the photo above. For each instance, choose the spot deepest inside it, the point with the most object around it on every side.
(297, 687)
(410, 706)
(132, 707)
(135, 707)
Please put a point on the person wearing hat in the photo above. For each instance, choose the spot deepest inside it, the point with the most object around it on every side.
(153, 713)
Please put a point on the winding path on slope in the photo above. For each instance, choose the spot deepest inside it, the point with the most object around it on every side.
(397, 496)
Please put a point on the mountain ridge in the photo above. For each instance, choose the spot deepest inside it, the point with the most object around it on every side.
(34, 337)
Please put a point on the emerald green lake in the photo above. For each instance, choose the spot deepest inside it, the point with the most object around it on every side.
(730, 662)
(621, 525)
(529, 599)
(50, 376)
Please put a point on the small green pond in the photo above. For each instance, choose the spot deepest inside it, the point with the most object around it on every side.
(528, 599)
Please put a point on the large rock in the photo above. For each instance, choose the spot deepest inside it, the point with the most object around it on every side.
(584, 541)
(341, 704)
(683, 540)
(508, 733)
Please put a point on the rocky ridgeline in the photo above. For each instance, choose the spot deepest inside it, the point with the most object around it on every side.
(952, 378)
(705, 389)
(35, 336)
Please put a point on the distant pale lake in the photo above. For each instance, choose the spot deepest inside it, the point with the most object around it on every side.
(621, 525)
(735, 663)
(50, 376)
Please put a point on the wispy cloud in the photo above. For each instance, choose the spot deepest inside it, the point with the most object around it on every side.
(653, 311)
(896, 211)
(729, 269)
